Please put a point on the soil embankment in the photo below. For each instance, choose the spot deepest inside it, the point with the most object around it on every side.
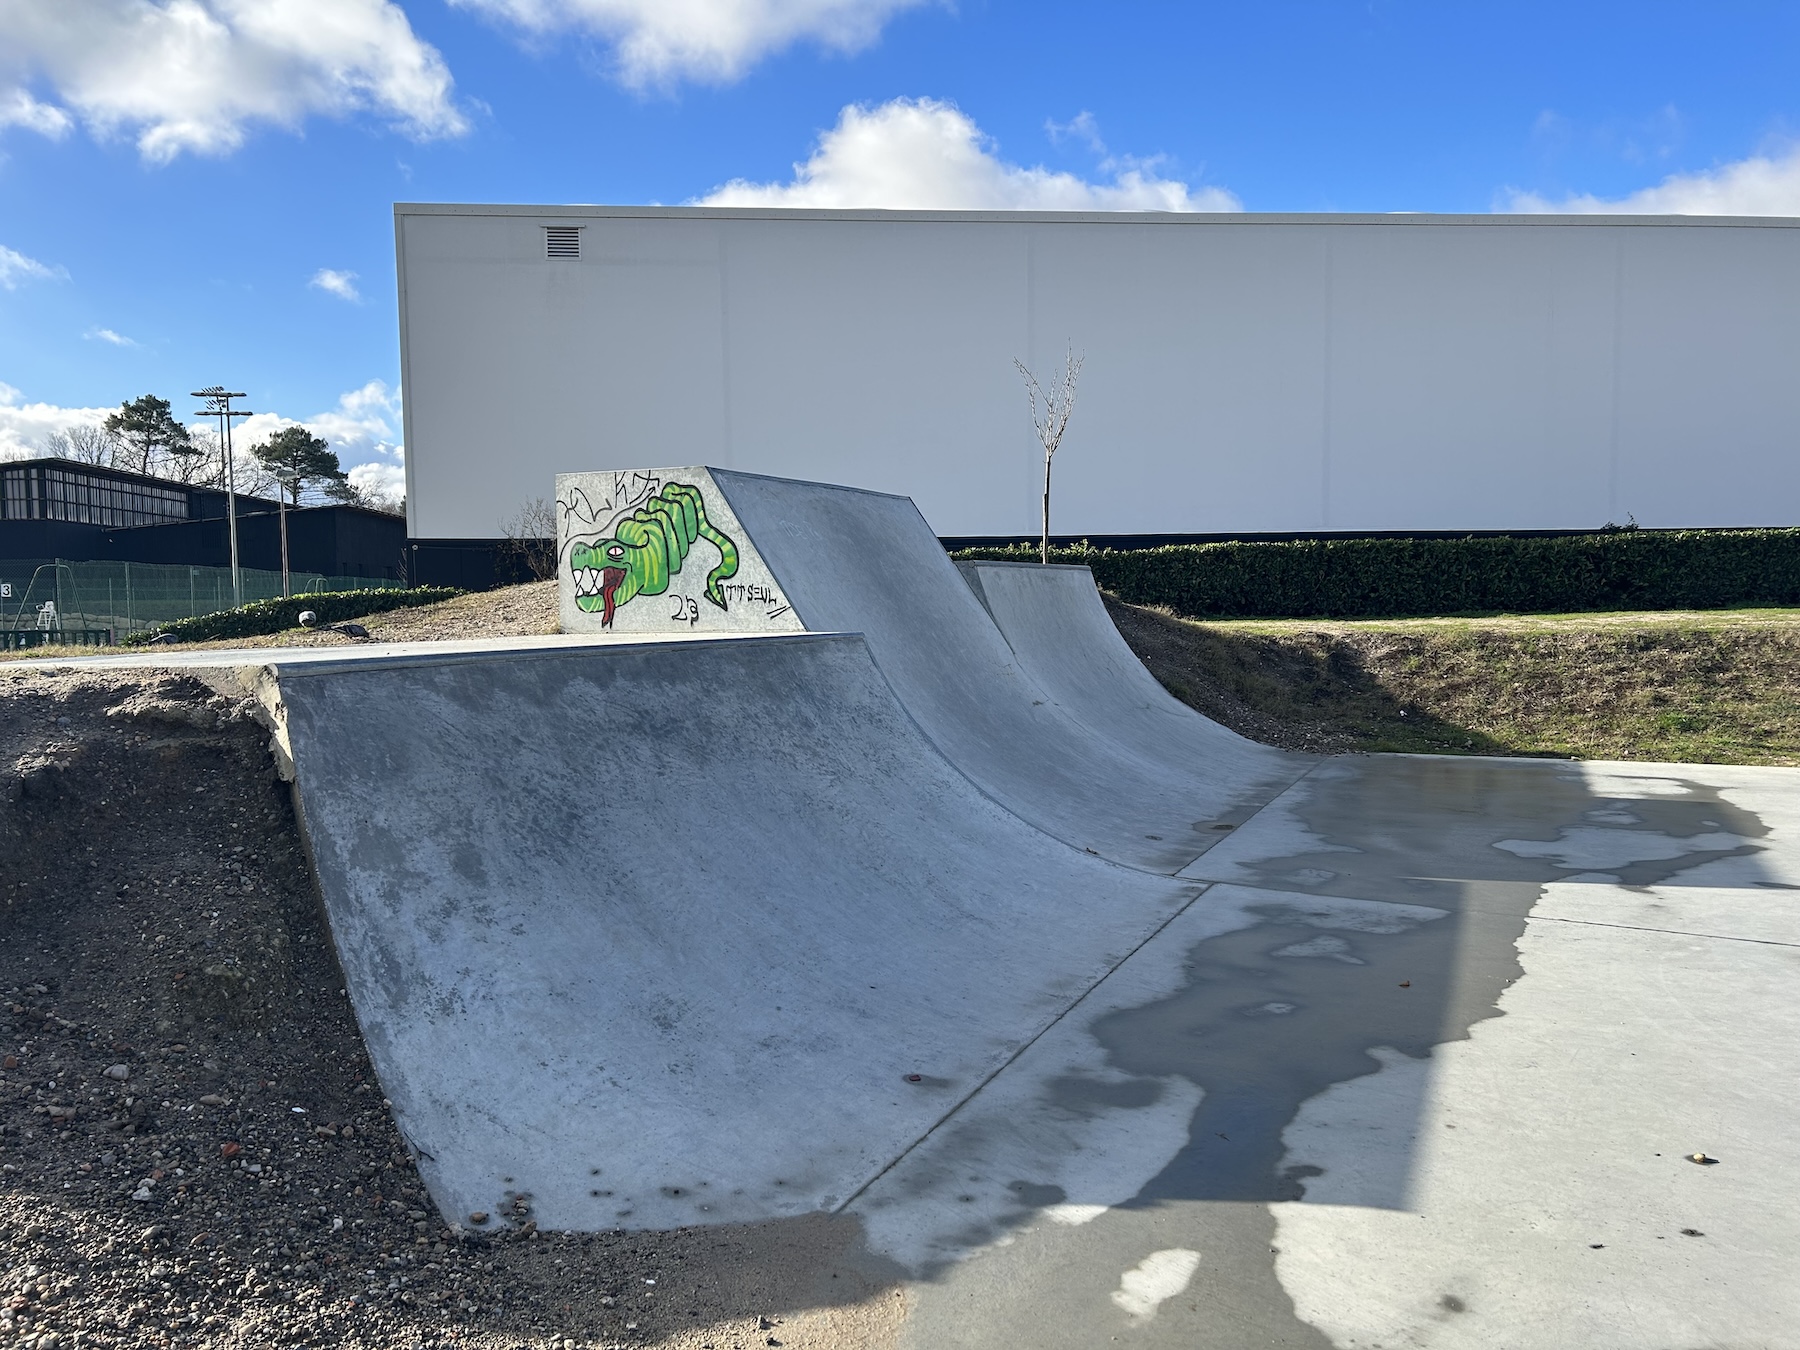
(1718, 687)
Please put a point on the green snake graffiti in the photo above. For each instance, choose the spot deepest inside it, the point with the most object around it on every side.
(645, 550)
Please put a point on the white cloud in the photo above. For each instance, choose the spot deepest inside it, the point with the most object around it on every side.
(361, 431)
(107, 335)
(193, 75)
(340, 284)
(19, 109)
(24, 427)
(380, 479)
(658, 41)
(16, 267)
(1763, 185)
(1082, 127)
(363, 425)
(922, 154)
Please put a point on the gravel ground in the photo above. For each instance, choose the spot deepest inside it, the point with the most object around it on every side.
(194, 1149)
(515, 611)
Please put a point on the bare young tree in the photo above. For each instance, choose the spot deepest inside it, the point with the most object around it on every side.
(205, 469)
(85, 443)
(375, 499)
(530, 537)
(250, 477)
(1050, 412)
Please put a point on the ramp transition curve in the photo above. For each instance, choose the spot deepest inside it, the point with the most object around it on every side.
(1061, 635)
(845, 560)
(656, 933)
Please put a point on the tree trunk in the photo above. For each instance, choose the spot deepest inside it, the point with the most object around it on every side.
(1045, 548)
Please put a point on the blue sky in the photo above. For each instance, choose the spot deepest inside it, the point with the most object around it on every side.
(200, 191)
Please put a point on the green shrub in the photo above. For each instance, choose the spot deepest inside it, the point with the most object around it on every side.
(1391, 578)
(277, 616)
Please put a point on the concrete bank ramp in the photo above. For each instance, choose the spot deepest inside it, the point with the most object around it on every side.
(1061, 635)
(833, 559)
(659, 934)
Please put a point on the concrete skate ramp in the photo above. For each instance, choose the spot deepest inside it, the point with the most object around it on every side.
(655, 933)
(867, 562)
(1061, 635)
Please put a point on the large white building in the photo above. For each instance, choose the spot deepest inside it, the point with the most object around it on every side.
(1244, 373)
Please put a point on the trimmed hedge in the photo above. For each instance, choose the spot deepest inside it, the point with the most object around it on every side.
(1624, 569)
(277, 616)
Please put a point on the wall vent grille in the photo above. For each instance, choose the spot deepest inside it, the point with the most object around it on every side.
(562, 241)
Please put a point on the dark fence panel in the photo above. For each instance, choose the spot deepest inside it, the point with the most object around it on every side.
(39, 595)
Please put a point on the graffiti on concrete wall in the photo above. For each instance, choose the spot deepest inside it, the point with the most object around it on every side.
(641, 536)
(643, 551)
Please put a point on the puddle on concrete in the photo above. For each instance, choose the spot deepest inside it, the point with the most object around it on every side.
(1273, 1015)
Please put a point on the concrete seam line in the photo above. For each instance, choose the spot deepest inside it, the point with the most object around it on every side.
(1672, 932)
(1013, 1058)
(1291, 787)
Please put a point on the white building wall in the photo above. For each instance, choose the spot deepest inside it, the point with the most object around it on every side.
(1244, 373)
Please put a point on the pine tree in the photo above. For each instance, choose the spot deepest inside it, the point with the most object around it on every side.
(300, 459)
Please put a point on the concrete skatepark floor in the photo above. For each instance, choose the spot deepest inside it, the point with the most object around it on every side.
(1435, 1033)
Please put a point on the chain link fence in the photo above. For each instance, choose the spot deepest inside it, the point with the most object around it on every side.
(48, 601)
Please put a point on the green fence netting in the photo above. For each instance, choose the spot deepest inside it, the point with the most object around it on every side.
(46, 601)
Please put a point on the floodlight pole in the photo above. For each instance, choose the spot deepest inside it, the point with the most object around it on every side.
(285, 480)
(220, 399)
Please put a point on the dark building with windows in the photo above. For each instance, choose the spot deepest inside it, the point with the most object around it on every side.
(62, 490)
(58, 508)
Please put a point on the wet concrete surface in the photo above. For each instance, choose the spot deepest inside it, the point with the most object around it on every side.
(1273, 1015)
(1368, 918)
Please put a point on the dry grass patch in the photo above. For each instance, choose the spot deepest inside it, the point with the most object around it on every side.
(1718, 687)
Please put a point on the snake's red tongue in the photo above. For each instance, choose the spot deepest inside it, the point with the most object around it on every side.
(610, 577)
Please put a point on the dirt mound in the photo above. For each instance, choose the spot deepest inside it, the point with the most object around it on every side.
(1186, 660)
(193, 1147)
(513, 611)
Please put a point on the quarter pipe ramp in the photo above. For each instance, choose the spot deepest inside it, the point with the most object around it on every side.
(617, 919)
(1061, 635)
(833, 559)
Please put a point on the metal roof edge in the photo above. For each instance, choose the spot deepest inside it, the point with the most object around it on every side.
(552, 211)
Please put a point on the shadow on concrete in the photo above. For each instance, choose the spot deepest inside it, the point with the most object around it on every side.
(1390, 894)
(1273, 1015)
